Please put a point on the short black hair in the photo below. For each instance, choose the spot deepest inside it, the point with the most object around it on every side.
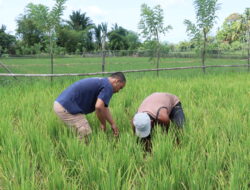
(119, 75)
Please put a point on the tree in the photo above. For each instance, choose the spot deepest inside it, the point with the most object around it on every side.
(98, 37)
(81, 26)
(205, 19)
(79, 21)
(29, 33)
(47, 21)
(133, 40)
(185, 46)
(117, 38)
(246, 26)
(71, 40)
(7, 41)
(231, 29)
(104, 30)
(152, 25)
(100, 32)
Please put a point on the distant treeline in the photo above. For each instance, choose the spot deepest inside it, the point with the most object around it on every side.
(79, 35)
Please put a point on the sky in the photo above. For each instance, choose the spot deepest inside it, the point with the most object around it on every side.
(125, 13)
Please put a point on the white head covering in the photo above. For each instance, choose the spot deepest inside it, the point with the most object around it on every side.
(142, 124)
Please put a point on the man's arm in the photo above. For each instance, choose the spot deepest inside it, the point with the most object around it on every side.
(163, 117)
(104, 114)
(100, 112)
(111, 122)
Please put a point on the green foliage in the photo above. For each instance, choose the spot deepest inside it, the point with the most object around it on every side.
(37, 26)
(185, 46)
(98, 36)
(234, 32)
(231, 29)
(79, 21)
(246, 24)
(39, 14)
(73, 40)
(205, 13)
(151, 26)
(7, 41)
(29, 33)
(117, 38)
(205, 19)
(152, 22)
(40, 30)
(100, 33)
(133, 40)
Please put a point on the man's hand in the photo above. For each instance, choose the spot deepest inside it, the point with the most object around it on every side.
(103, 128)
(115, 130)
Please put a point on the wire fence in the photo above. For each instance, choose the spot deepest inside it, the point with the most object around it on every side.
(125, 71)
(187, 53)
(102, 63)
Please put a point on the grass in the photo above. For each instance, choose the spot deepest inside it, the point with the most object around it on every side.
(37, 151)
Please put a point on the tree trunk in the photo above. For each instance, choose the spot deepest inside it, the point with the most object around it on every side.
(51, 58)
(158, 59)
(103, 52)
(248, 49)
(204, 52)
(157, 52)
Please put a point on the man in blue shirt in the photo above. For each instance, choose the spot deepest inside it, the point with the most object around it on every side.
(86, 96)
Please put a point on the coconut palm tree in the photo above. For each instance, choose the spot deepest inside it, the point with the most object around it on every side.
(100, 33)
(79, 21)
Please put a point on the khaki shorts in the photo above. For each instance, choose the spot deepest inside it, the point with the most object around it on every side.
(76, 121)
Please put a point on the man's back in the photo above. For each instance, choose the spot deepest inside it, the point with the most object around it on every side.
(153, 102)
(81, 96)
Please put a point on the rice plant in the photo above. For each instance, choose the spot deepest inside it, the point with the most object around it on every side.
(37, 151)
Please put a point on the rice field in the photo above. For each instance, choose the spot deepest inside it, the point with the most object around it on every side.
(37, 151)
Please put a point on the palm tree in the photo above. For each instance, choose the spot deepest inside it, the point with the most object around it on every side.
(100, 33)
(79, 21)
(104, 30)
(246, 29)
(98, 38)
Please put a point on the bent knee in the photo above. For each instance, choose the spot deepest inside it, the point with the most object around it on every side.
(84, 130)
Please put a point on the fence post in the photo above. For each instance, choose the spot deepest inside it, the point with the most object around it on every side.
(103, 60)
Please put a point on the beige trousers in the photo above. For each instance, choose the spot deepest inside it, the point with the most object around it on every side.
(77, 121)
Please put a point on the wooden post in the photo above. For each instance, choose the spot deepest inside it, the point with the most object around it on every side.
(103, 40)
(103, 60)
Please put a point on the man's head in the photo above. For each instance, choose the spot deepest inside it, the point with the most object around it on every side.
(142, 124)
(118, 81)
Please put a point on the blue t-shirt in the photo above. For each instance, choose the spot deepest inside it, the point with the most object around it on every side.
(81, 96)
